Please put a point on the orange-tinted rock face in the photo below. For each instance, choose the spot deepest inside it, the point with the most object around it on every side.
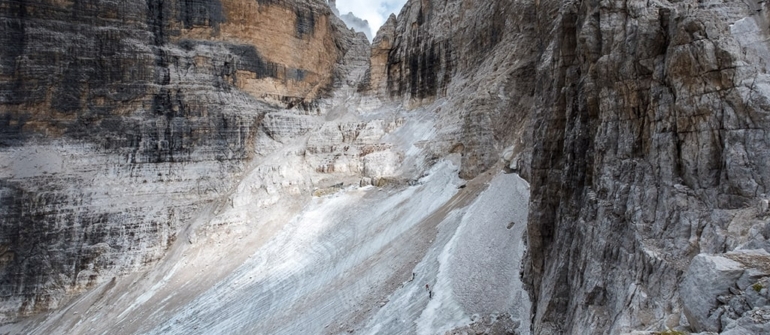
(149, 87)
(70, 65)
(294, 41)
(381, 47)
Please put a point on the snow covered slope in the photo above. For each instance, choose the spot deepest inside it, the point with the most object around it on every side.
(359, 259)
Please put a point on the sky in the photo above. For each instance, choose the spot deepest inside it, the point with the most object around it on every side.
(374, 11)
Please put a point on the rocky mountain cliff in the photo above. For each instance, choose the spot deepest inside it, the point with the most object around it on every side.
(121, 119)
(647, 147)
(650, 149)
(232, 166)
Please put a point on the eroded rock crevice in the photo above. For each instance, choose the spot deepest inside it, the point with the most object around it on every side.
(252, 153)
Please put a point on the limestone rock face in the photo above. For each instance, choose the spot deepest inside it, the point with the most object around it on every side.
(119, 120)
(644, 121)
(728, 293)
(649, 149)
(473, 64)
(377, 82)
(267, 162)
(708, 277)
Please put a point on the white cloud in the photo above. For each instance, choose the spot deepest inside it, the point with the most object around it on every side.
(374, 11)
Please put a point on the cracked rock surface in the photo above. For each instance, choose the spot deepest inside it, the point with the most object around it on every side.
(233, 166)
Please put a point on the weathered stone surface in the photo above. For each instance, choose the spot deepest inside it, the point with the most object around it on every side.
(640, 124)
(744, 309)
(647, 126)
(648, 150)
(707, 278)
(469, 64)
(120, 121)
(382, 44)
(491, 324)
(756, 321)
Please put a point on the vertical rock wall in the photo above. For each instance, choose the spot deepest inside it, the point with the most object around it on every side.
(473, 64)
(648, 136)
(120, 120)
(649, 149)
(640, 125)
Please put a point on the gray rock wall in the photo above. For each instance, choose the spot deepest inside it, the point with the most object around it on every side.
(649, 149)
(120, 120)
(471, 63)
(640, 125)
(646, 124)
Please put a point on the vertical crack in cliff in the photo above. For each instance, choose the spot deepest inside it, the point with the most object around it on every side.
(303, 166)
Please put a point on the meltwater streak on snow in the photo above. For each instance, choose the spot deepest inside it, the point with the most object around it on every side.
(487, 238)
(483, 259)
(327, 268)
(472, 268)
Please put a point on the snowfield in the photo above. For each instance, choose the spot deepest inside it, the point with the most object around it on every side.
(421, 259)
(424, 253)
(346, 262)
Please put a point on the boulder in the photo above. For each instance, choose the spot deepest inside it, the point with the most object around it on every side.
(708, 277)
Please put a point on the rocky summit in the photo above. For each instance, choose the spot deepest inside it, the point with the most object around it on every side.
(479, 167)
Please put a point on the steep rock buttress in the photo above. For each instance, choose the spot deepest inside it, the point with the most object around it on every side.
(120, 121)
(127, 127)
(649, 149)
(646, 124)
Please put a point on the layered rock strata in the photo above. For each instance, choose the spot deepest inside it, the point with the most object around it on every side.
(650, 150)
(473, 65)
(121, 120)
(648, 140)
(129, 127)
